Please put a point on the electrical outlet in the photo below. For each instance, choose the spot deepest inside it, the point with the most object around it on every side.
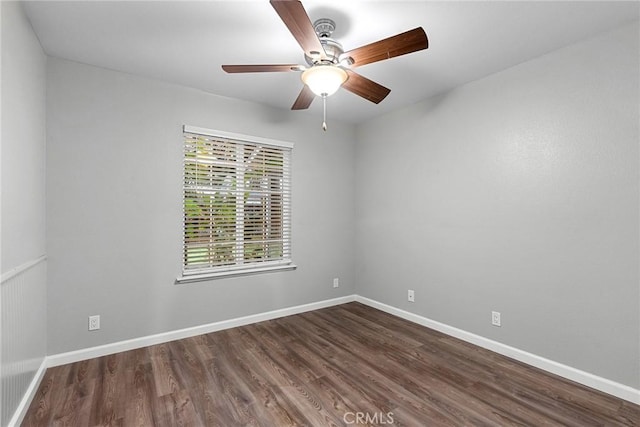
(336, 283)
(411, 296)
(495, 318)
(94, 323)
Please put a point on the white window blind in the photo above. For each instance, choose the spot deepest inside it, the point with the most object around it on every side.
(237, 203)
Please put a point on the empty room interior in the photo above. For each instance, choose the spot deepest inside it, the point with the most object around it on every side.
(320, 213)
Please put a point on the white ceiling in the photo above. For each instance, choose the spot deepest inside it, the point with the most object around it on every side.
(186, 42)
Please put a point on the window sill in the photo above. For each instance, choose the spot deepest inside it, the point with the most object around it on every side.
(233, 273)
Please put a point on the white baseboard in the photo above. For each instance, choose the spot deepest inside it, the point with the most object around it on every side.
(590, 380)
(23, 407)
(104, 350)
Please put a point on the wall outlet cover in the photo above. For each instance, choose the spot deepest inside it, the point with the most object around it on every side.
(495, 318)
(94, 323)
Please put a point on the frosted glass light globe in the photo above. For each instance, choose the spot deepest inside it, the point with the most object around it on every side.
(324, 80)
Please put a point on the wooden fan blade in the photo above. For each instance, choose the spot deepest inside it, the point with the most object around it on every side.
(267, 68)
(304, 99)
(362, 86)
(297, 21)
(400, 44)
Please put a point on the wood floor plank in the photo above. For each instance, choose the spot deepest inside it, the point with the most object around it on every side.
(319, 368)
(228, 394)
(138, 411)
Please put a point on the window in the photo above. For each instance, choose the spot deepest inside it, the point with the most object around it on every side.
(237, 204)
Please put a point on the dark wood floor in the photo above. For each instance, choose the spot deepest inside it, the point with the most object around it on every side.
(334, 366)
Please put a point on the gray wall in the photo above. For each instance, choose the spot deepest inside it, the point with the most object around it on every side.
(114, 194)
(23, 296)
(516, 193)
(23, 143)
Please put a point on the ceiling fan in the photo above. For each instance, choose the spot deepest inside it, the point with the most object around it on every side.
(329, 67)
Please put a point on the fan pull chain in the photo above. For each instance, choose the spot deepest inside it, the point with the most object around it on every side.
(324, 112)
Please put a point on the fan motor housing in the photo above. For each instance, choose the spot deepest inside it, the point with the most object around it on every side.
(332, 50)
(324, 27)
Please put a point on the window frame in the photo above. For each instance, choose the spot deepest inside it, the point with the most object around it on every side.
(209, 273)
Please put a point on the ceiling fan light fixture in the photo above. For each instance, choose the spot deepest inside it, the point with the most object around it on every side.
(324, 80)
